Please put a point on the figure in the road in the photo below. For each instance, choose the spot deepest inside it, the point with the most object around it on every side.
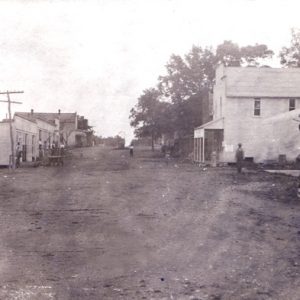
(131, 150)
(18, 154)
(62, 149)
(168, 155)
(40, 150)
(239, 156)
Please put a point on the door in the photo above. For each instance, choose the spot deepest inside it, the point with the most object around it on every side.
(198, 150)
(33, 148)
(24, 148)
(213, 142)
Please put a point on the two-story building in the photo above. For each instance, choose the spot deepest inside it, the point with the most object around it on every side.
(255, 107)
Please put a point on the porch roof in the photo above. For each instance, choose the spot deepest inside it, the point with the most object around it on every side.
(214, 124)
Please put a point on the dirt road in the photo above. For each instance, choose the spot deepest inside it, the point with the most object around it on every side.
(109, 227)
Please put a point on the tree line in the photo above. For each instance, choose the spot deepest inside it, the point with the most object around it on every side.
(175, 104)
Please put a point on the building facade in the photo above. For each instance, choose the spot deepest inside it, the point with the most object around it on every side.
(31, 134)
(69, 132)
(248, 105)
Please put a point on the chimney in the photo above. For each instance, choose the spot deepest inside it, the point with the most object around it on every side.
(59, 111)
(31, 112)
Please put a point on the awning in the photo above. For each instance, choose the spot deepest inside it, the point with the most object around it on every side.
(214, 124)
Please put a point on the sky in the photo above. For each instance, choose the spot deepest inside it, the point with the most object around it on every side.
(96, 57)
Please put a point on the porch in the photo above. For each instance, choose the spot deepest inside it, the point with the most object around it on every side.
(208, 138)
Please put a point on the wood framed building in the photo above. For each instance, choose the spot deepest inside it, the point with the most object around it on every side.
(67, 123)
(248, 104)
(28, 131)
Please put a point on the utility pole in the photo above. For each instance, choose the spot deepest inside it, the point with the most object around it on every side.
(8, 101)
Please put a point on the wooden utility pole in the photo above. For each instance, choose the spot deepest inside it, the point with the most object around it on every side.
(8, 101)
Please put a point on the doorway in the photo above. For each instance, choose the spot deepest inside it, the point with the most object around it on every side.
(213, 142)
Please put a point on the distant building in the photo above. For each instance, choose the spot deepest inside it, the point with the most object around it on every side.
(83, 126)
(255, 107)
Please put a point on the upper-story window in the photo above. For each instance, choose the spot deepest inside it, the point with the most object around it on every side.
(256, 107)
(292, 104)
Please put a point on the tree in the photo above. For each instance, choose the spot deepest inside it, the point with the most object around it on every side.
(189, 75)
(148, 117)
(290, 56)
(252, 54)
(229, 54)
(184, 116)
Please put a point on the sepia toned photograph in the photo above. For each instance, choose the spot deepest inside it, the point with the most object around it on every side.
(149, 150)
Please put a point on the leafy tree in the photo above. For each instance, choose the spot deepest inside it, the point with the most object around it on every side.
(189, 75)
(252, 54)
(184, 116)
(148, 117)
(175, 84)
(229, 54)
(290, 56)
(201, 63)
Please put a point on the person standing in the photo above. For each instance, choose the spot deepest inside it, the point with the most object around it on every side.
(40, 150)
(18, 154)
(62, 149)
(131, 150)
(168, 155)
(239, 156)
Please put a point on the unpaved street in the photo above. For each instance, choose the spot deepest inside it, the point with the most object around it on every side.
(109, 227)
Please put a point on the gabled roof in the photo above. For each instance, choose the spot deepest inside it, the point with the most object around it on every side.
(50, 117)
(28, 118)
(262, 82)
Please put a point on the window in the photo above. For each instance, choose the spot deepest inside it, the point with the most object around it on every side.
(292, 104)
(256, 107)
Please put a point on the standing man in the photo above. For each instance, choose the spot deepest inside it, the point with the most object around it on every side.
(239, 156)
(18, 154)
(168, 155)
(131, 150)
(40, 150)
